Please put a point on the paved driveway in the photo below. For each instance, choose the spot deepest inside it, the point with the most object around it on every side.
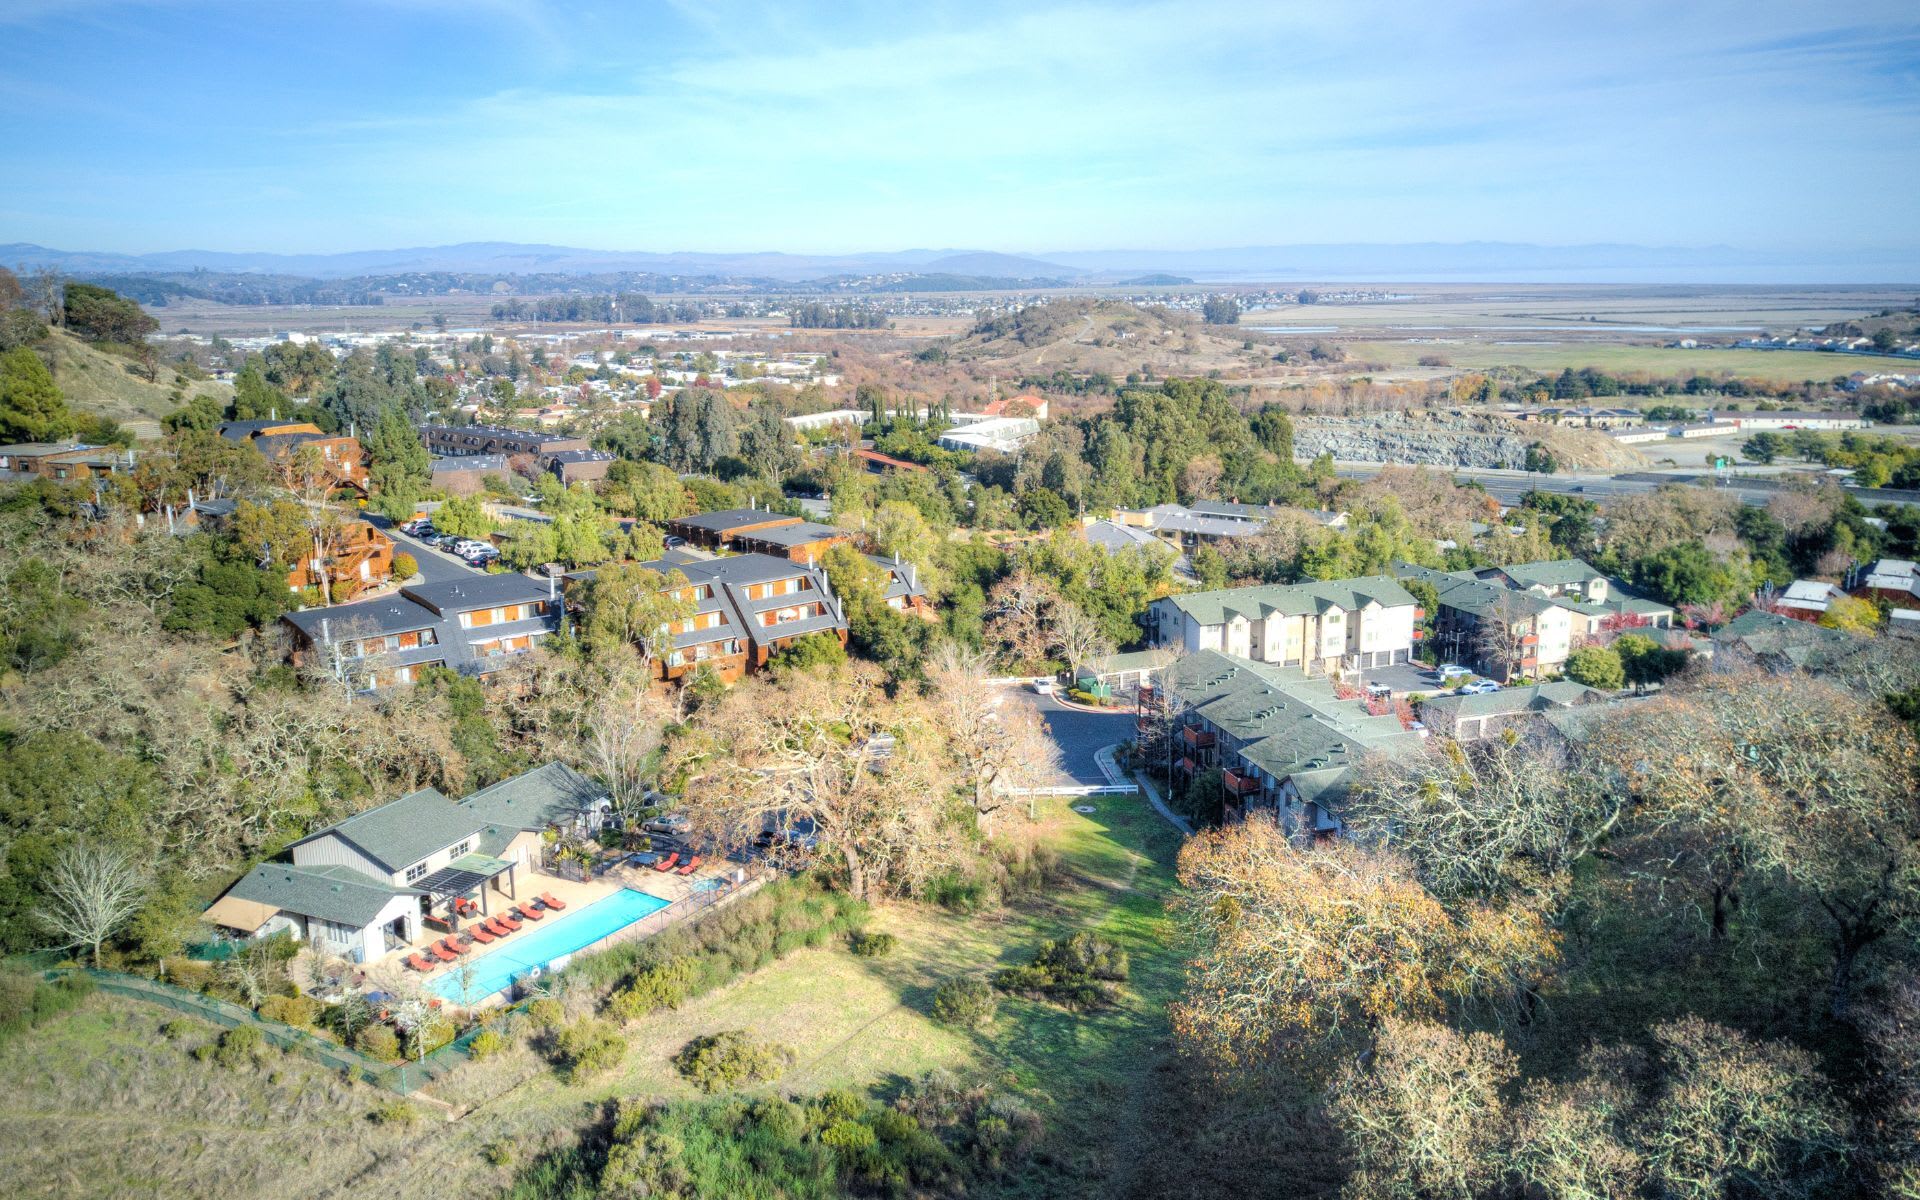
(1078, 734)
(436, 566)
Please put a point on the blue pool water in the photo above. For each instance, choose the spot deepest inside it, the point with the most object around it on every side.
(559, 935)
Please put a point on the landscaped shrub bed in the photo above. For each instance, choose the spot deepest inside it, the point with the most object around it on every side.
(1077, 971)
(686, 961)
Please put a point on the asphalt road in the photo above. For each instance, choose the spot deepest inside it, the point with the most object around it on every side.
(1078, 734)
(436, 566)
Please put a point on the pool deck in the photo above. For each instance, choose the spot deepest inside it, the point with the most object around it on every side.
(668, 886)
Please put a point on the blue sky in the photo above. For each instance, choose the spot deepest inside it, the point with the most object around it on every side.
(296, 126)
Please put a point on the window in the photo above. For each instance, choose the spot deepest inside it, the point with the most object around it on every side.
(416, 872)
(460, 848)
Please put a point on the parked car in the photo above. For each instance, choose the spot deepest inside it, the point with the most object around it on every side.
(418, 527)
(1476, 689)
(672, 824)
(1378, 691)
(1449, 670)
(673, 540)
(480, 558)
(1044, 686)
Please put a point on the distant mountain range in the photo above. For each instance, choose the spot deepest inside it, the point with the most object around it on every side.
(1410, 262)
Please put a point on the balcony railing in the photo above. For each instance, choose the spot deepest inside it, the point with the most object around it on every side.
(1186, 764)
(1237, 784)
(1199, 739)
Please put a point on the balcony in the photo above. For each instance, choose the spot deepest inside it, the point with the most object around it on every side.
(1238, 784)
(1186, 764)
(1531, 639)
(1199, 739)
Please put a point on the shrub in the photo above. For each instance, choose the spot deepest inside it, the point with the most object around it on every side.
(849, 1136)
(730, 1059)
(873, 945)
(404, 566)
(961, 894)
(486, 1044)
(1077, 971)
(394, 1111)
(663, 985)
(297, 1011)
(589, 1047)
(179, 1028)
(966, 1002)
(378, 1041)
(546, 1013)
(237, 1047)
(430, 1037)
(498, 1153)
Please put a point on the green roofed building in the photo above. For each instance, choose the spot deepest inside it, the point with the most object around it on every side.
(1283, 743)
(1318, 628)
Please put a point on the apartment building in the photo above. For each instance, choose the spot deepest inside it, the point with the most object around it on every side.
(1596, 604)
(1320, 628)
(459, 440)
(714, 530)
(747, 608)
(1283, 743)
(343, 459)
(360, 558)
(473, 625)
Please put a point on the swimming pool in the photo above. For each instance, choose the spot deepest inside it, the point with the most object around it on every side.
(559, 935)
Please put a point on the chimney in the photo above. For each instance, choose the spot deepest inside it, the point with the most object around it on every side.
(550, 585)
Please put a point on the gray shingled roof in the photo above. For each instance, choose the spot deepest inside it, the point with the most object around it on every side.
(1556, 573)
(339, 894)
(1507, 701)
(731, 518)
(1288, 725)
(404, 831)
(544, 796)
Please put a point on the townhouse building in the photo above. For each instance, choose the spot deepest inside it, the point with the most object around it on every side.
(342, 458)
(1283, 743)
(1318, 628)
(474, 625)
(456, 441)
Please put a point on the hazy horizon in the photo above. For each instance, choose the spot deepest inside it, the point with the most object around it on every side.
(1769, 128)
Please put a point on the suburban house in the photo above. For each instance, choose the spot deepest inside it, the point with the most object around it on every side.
(1892, 579)
(62, 460)
(1471, 718)
(716, 529)
(1776, 642)
(464, 475)
(473, 625)
(1807, 599)
(747, 608)
(364, 887)
(1026, 404)
(1319, 628)
(456, 441)
(1283, 743)
(343, 459)
(904, 593)
(362, 558)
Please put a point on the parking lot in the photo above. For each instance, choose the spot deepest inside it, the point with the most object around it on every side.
(1078, 733)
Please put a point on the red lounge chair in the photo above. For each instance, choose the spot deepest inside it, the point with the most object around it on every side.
(499, 928)
(666, 864)
(441, 952)
(418, 963)
(509, 919)
(530, 912)
(480, 933)
(454, 946)
(547, 899)
(693, 864)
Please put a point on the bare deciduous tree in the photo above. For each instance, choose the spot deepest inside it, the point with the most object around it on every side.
(623, 741)
(1078, 637)
(998, 745)
(92, 892)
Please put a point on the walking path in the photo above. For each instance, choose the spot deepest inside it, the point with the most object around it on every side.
(1116, 774)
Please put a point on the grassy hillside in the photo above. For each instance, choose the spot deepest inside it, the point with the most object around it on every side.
(99, 382)
(1108, 335)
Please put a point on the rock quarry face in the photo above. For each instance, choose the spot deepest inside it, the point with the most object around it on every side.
(1453, 441)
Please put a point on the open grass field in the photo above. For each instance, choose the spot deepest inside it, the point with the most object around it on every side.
(108, 1108)
(1789, 366)
(97, 382)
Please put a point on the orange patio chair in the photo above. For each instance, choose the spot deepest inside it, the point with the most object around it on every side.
(547, 898)
(693, 864)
